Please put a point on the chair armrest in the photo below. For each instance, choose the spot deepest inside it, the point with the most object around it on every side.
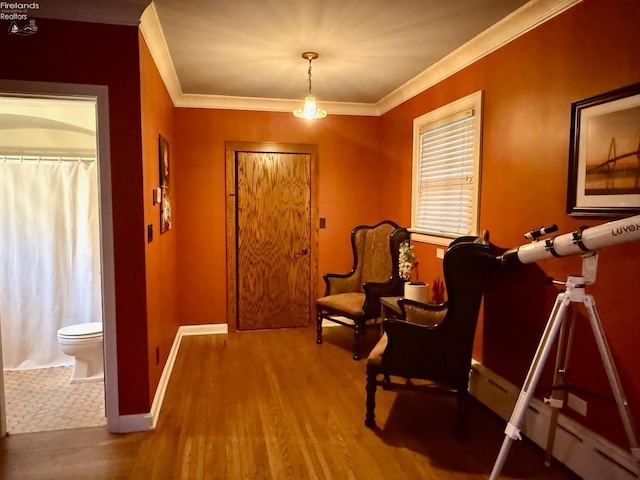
(375, 290)
(418, 351)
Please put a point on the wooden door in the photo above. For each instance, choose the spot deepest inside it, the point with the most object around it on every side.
(274, 241)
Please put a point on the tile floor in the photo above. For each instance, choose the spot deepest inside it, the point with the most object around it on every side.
(43, 399)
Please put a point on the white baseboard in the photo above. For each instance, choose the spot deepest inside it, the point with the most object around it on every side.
(583, 451)
(135, 423)
(210, 329)
(148, 421)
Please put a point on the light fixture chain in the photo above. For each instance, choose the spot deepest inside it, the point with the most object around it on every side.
(309, 76)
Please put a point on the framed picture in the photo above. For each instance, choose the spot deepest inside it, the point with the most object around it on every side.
(604, 156)
(165, 184)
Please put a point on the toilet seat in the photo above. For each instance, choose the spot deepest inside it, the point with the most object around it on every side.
(81, 331)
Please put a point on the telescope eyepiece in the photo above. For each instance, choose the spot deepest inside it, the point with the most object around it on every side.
(534, 235)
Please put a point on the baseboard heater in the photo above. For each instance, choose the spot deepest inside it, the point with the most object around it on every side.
(581, 450)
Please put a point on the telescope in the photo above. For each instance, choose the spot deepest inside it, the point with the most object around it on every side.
(586, 241)
(540, 232)
(581, 242)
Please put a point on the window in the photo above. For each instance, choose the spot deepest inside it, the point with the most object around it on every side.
(446, 171)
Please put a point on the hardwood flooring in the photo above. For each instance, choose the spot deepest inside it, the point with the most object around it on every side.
(274, 405)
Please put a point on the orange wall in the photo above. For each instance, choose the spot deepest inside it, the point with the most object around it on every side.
(366, 162)
(82, 53)
(350, 186)
(161, 253)
(529, 86)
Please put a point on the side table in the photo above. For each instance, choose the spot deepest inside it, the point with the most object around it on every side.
(390, 308)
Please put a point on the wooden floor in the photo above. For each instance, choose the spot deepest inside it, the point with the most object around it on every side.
(274, 405)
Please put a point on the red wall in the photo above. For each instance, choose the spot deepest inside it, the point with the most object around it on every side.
(350, 186)
(529, 86)
(161, 253)
(74, 52)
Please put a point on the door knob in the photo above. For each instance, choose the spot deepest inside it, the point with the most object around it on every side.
(302, 252)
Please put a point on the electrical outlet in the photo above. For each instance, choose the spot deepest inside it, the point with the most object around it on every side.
(439, 252)
(577, 404)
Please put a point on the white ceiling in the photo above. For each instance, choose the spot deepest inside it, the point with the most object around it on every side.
(373, 53)
(368, 48)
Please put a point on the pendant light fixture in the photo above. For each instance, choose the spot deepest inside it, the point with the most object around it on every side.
(310, 111)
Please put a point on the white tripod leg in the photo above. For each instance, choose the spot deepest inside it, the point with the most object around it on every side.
(614, 379)
(512, 431)
(560, 383)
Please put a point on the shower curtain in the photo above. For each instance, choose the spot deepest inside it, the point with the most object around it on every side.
(49, 256)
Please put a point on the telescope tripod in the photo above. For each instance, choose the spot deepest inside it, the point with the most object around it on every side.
(574, 293)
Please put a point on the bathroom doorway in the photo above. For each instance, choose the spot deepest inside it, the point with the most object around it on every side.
(59, 128)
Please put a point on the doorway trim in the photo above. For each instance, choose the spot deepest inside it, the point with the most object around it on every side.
(100, 94)
(231, 150)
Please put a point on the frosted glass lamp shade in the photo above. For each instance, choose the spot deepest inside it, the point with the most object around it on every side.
(310, 111)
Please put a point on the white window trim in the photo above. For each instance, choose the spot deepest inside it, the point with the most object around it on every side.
(474, 101)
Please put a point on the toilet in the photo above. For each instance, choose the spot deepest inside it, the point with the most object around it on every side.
(83, 341)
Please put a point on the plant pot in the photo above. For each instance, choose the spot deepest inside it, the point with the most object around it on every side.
(417, 291)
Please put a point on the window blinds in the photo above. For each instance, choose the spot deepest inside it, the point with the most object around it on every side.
(445, 202)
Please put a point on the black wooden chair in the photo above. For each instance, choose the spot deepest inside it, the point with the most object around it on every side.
(356, 294)
(431, 348)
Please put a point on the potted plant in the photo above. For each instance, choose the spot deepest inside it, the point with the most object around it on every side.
(407, 261)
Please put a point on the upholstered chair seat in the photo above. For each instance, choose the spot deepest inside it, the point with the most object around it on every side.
(350, 303)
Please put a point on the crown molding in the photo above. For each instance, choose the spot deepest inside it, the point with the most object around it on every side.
(191, 100)
(154, 36)
(526, 18)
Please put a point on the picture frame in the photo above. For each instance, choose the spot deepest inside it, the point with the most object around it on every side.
(604, 154)
(164, 184)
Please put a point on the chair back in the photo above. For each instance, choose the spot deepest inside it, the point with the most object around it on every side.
(375, 252)
(466, 266)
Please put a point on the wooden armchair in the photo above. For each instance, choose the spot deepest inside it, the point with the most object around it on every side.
(431, 349)
(356, 294)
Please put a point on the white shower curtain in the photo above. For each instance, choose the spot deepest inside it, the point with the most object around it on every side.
(49, 256)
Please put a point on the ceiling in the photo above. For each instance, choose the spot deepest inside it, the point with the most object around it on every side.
(247, 53)
(367, 48)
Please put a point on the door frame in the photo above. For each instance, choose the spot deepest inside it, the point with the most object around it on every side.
(100, 95)
(231, 169)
